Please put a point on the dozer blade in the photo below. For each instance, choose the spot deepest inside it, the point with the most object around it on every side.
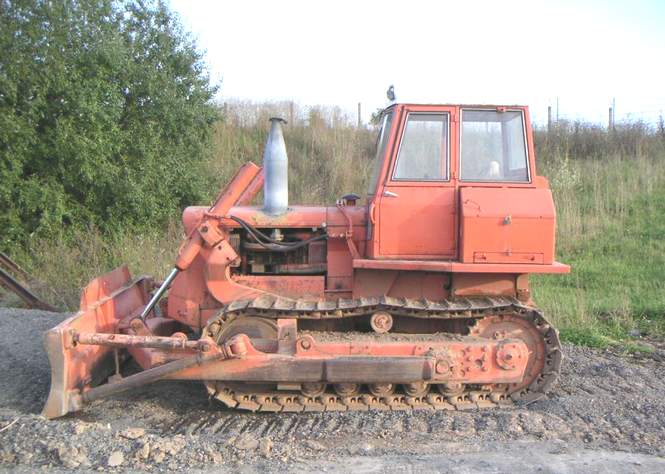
(105, 301)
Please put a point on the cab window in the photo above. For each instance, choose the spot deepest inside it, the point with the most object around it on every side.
(381, 144)
(423, 151)
(493, 146)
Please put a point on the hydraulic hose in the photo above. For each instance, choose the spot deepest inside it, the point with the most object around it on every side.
(271, 244)
(257, 234)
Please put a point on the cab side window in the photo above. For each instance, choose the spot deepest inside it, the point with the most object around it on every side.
(423, 152)
(493, 146)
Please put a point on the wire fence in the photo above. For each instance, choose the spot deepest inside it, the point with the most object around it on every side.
(650, 114)
(249, 113)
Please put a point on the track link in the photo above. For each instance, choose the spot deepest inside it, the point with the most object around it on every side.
(483, 312)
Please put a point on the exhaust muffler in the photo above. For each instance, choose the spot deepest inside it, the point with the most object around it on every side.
(275, 171)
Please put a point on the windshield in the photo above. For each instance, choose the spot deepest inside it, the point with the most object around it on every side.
(381, 144)
(493, 146)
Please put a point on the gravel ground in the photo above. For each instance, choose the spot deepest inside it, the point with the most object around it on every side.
(606, 415)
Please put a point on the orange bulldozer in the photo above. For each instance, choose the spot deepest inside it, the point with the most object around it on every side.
(416, 298)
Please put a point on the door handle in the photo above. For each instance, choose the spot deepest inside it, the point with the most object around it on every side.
(390, 194)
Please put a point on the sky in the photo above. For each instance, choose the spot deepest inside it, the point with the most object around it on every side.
(585, 53)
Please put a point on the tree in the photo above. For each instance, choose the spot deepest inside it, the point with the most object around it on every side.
(377, 115)
(105, 115)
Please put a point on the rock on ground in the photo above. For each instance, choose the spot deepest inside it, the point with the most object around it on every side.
(116, 459)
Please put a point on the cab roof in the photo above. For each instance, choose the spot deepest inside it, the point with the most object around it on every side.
(470, 106)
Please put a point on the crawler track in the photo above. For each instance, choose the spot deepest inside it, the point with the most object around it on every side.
(491, 317)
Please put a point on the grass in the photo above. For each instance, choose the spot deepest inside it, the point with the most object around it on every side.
(611, 219)
(618, 279)
(62, 266)
(609, 189)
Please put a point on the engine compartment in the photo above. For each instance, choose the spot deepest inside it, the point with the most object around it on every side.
(259, 259)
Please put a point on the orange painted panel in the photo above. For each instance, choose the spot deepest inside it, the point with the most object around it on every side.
(415, 218)
(419, 222)
(107, 300)
(507, 225)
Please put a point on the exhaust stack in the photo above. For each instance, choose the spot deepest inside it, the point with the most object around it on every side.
(275, 170)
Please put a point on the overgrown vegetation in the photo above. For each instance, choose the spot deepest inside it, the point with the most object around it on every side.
(105, 118)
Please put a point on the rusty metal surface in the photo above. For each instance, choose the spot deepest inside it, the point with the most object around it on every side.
(298, 216)
(455, 365)
(501, 315)
(286, 285)
(12, 266)
(144, 377)
(230, 195)
(126, 341)
(252, 190)
(16, 287)
(106, 301)
(271, 306)
(473, 360)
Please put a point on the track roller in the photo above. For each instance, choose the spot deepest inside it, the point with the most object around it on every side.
(381, 389)
(416, 389)
(313, 389)
(347, 389)
(451, 389)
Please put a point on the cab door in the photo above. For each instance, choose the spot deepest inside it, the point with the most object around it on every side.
(417, 213)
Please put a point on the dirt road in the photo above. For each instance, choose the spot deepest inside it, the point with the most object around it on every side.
(606, 415)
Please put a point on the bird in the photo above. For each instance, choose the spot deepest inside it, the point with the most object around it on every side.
(391, 93)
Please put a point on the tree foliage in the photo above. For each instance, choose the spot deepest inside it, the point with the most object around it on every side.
(105, 111)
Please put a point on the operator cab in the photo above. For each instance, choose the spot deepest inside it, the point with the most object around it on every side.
(493, 145)
(433, 164)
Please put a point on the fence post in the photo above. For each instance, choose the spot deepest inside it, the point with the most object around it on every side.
(610, 120)
(360, 120)
(549, 118)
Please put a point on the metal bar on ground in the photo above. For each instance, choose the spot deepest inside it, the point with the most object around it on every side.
(12, 266)
(24, 293)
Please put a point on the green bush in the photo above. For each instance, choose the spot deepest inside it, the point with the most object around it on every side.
(105, 113)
